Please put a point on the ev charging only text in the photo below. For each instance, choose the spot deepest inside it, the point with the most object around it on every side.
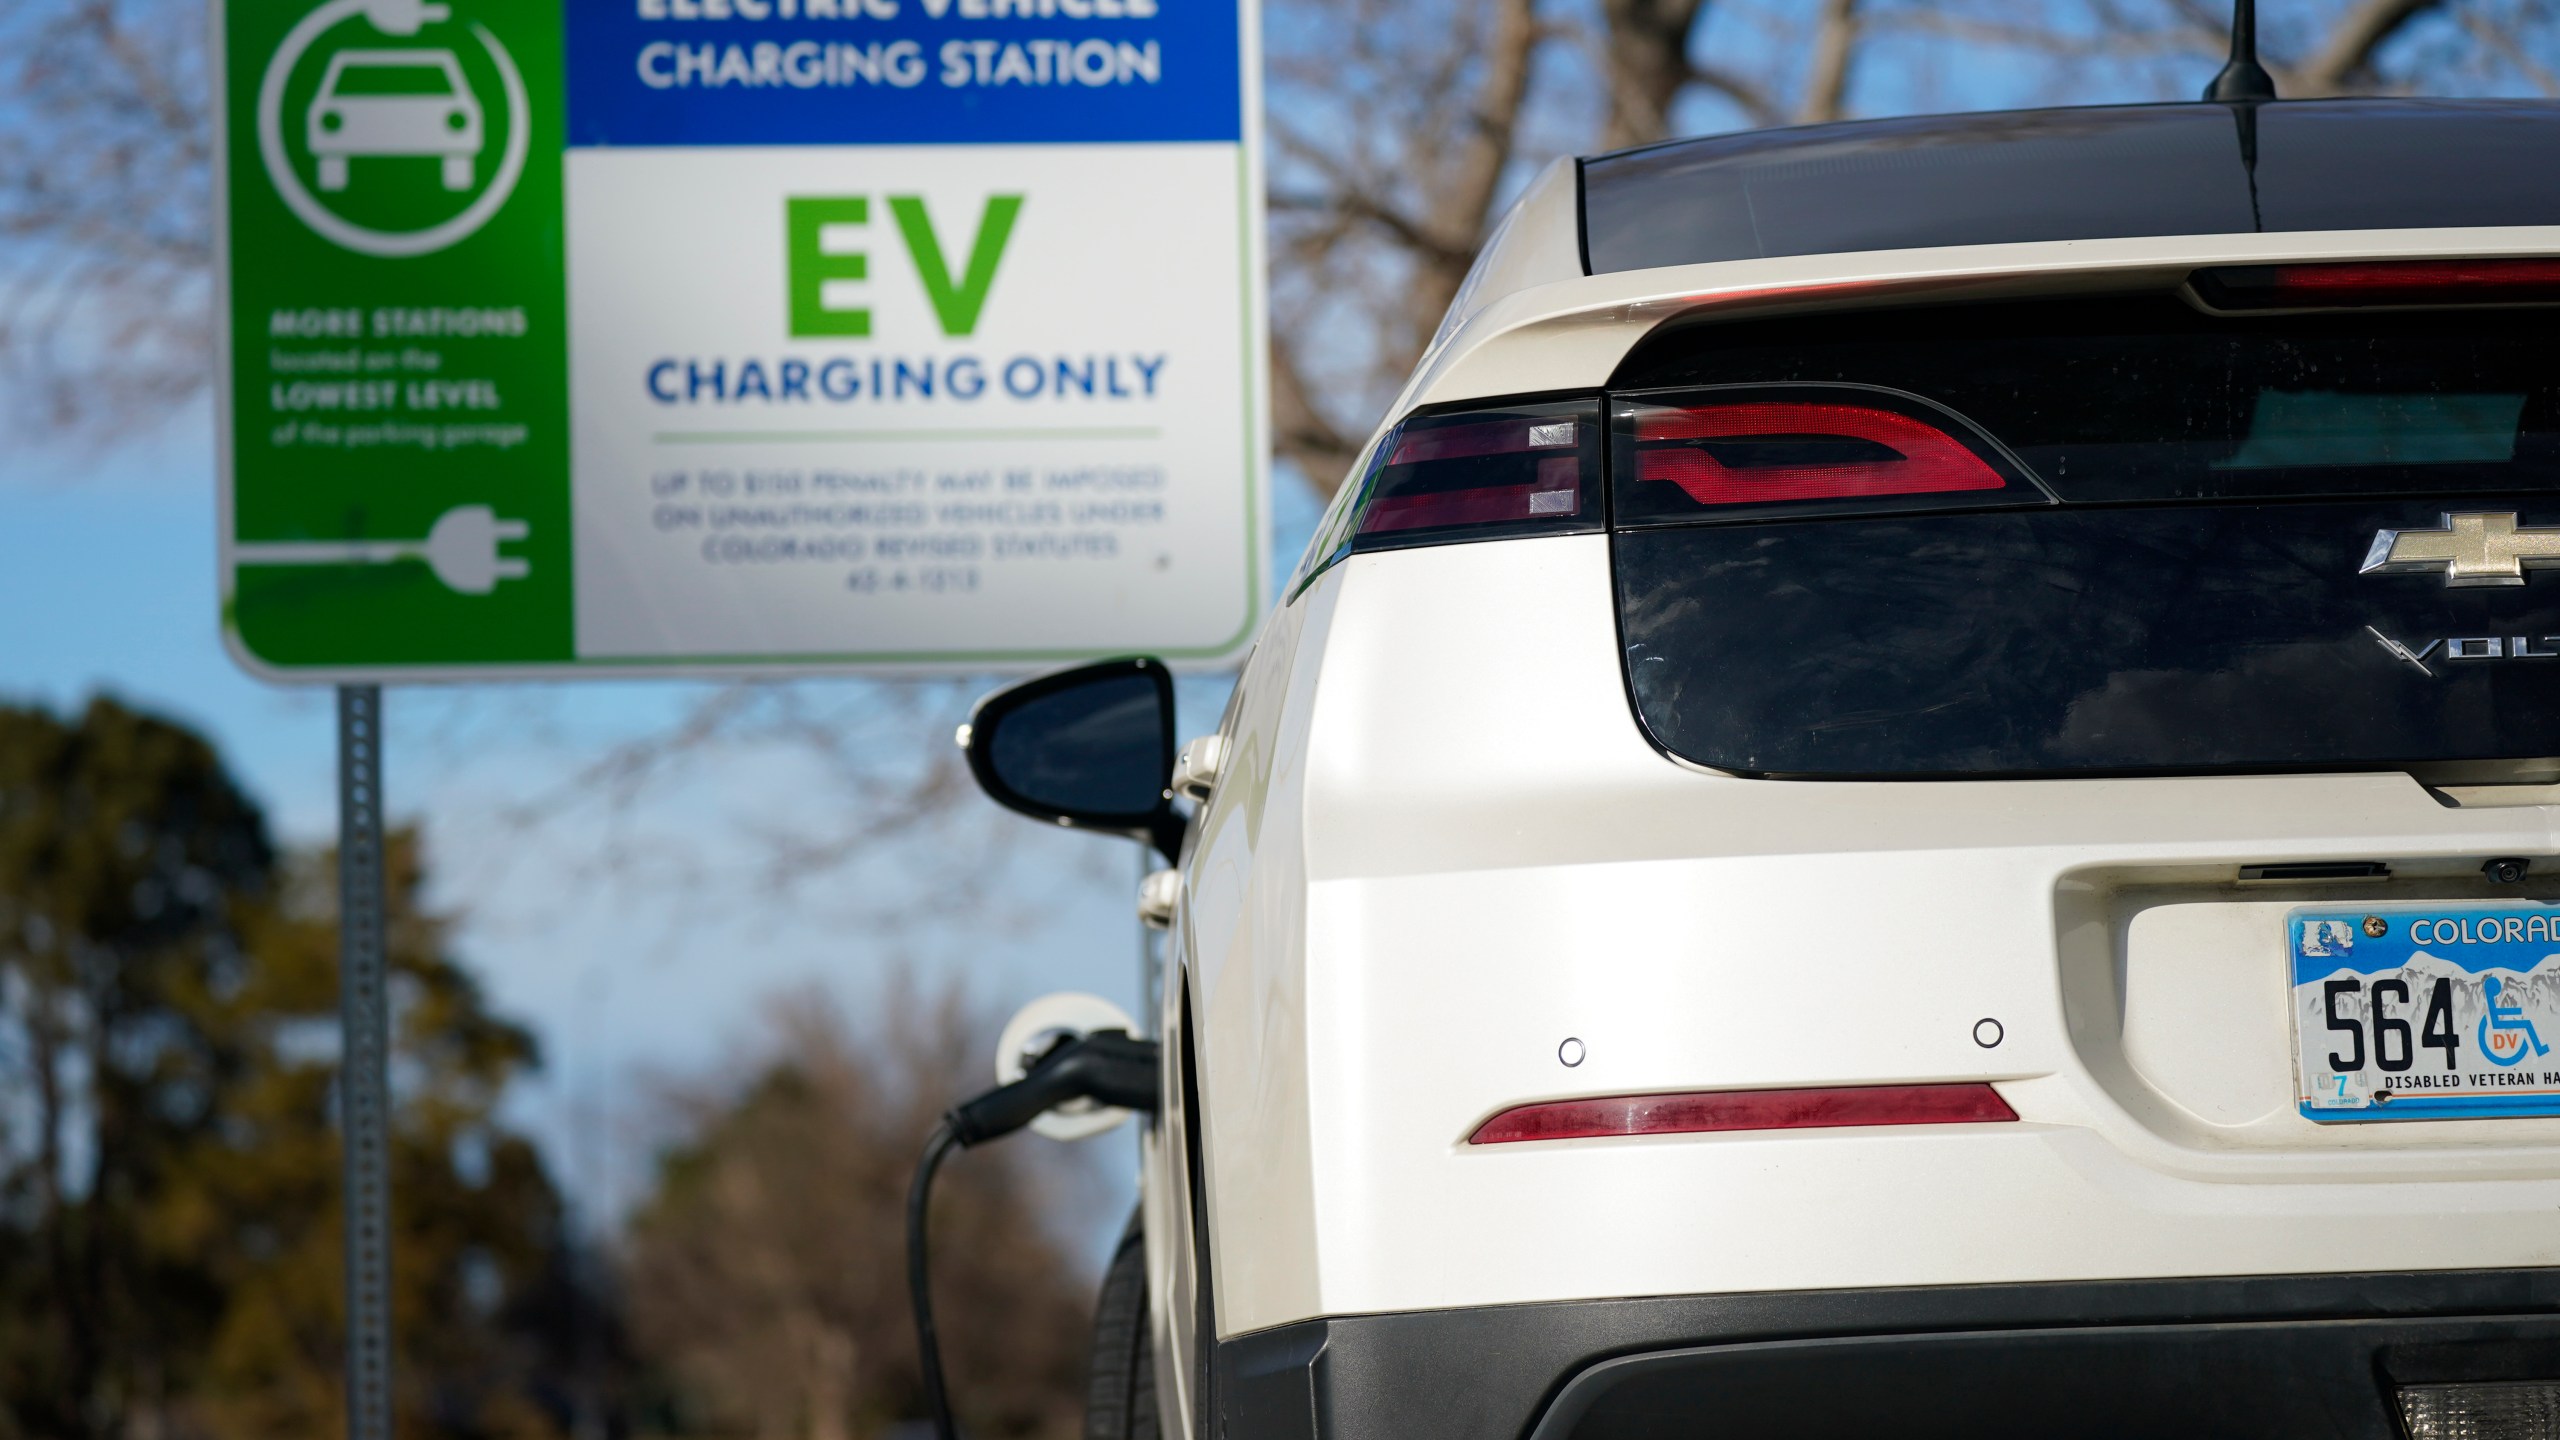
(960, 379)
(955, 267)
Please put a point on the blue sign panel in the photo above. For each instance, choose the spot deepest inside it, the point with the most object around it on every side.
(902, 72)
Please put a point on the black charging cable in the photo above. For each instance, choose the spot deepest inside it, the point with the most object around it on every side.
(1109, 1067)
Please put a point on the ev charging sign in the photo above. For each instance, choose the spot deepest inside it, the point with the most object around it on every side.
(738, 336)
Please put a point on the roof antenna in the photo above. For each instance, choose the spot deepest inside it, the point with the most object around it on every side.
(2243, 78)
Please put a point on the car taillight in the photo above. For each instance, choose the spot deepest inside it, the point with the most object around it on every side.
(1713, 1111)
(1738, 452)
(1481, 474)
(2378, 282)
(1487, 472)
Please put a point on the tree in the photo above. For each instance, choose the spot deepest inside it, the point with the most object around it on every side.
(169, 1219)
(105, 199)
(766, 1273)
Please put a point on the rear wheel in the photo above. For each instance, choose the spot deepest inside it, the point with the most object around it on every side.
(1120, 1378)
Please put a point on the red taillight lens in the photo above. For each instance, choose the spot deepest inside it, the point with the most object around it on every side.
(1554, 487)
(2379, 282)
(1792, 450)
(1507, 470)
(1745, 1110)
(1736, 452)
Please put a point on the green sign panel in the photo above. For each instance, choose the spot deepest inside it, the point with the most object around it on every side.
(652, 336)
(399, 367)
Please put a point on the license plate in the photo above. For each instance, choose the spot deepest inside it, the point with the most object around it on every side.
(2426, 1012)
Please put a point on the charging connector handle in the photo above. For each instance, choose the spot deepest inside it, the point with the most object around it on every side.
(1110, 1067)
(1107, 1066)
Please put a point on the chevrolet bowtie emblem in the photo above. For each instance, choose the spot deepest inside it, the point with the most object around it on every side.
(2471, 549)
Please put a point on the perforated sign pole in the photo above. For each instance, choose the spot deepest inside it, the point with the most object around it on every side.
(364, 1062)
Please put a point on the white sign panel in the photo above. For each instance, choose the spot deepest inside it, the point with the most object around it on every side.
(740, 336)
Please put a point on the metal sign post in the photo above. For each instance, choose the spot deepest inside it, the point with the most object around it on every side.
(364, 1063)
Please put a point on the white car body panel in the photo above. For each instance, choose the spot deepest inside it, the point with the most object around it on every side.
(1496, 860)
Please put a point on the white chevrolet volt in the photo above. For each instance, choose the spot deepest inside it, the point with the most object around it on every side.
(1915, 792)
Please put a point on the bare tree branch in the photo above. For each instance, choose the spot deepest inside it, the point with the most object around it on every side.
(1463, 205)
(1393, 184)
(2345, 58)
(1321, 452)
(104, 201)
(1835, 45)
(1647, 56)
(2500, 41)
(1353, 197)
(1756, 103)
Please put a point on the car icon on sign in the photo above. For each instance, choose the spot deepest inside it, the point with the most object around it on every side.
(395, 102)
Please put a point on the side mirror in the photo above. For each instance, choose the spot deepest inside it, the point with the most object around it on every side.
(1090, 748)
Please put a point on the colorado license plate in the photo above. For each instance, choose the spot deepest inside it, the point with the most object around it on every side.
(2426, 1012)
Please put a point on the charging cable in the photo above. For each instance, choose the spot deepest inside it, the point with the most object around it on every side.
(1109, 1067)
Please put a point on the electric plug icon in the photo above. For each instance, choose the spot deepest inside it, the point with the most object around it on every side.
(461, 549)
(403, 17)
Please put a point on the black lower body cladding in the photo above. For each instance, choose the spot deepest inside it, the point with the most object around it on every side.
(2256, 1358)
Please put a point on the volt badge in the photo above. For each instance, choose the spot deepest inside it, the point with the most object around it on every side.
(2472, 548)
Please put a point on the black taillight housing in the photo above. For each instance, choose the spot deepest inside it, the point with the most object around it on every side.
(1485, 472)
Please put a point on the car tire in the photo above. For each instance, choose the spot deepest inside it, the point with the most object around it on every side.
(1120, 1376)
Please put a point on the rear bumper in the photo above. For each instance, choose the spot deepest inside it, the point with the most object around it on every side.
(2267, 1358)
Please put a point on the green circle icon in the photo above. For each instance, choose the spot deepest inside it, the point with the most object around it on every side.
(376, 108)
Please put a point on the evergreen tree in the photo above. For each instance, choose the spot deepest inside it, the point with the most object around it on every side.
(169, 1172)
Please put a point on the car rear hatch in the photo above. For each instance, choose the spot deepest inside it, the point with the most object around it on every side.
(2284, 519)
(1967, 569)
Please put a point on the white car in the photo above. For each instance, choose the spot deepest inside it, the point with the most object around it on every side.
(393, 103)
(1915, 793)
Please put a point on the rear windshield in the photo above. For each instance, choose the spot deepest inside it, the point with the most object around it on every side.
(2148, 539)
(2000, 177)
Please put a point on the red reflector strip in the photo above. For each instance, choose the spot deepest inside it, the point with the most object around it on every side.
(2384, 282)
(1925, 459)
(1746, 1110)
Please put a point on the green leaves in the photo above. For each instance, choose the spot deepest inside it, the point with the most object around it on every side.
(168, 998)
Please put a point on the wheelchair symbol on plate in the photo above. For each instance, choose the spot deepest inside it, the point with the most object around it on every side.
(2513, 1030)
(379, 102)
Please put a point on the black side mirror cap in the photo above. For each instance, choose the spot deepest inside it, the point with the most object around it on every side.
(1091, 748)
